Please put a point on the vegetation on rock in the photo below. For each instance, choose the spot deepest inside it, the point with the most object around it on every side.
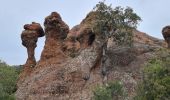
(117, 23)
(112, 91)
(156, 79)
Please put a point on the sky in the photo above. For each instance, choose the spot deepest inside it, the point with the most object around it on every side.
(15, 13)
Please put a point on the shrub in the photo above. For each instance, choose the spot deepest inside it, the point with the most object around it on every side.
(112, 91)
(8, 78)
(5, 96)
(156, 80)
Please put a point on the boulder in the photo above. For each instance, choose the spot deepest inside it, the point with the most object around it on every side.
(166, 34)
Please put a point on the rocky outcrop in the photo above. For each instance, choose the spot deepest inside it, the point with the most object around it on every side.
(55, 31)
(71, 45)
(71, 64)
(143, 38)
(29, 39)
(166, 34)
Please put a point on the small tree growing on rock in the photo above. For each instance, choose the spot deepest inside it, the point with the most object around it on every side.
(117, 23)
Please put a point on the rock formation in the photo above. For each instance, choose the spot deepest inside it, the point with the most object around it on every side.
(166, 34)
(55, 31)
(71, 66)
(29, 39)
(71, 45)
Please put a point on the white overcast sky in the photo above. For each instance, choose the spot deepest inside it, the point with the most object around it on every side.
(15, 13)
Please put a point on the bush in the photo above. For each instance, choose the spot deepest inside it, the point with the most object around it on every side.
(156, 80)
(5, 96)
(112, 91)
(8, 78)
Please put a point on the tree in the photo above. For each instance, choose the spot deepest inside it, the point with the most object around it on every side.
(8, 79)
(117, 23)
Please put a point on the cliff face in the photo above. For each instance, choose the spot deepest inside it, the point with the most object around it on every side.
(70, 65)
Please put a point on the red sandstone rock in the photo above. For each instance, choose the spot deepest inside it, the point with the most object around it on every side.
(71, 45)
(35, 27)
(86, 37)
(29, 39)
(166, 34)
(59, 77)
(55, 31)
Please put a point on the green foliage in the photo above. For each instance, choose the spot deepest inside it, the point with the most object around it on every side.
(112, 91)
(8, 78)
(18, 68)
(101, 93)
(5, 96)
(156, 80)
(118, 23)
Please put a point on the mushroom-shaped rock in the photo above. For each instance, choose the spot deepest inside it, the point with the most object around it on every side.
(166, 34)
(29, 39)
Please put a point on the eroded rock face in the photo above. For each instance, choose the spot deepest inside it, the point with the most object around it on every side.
(86, 37)
(166, 34)
(67, 76)
(71, 46)
(29, 39)
(55, 31)
(57, 76)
